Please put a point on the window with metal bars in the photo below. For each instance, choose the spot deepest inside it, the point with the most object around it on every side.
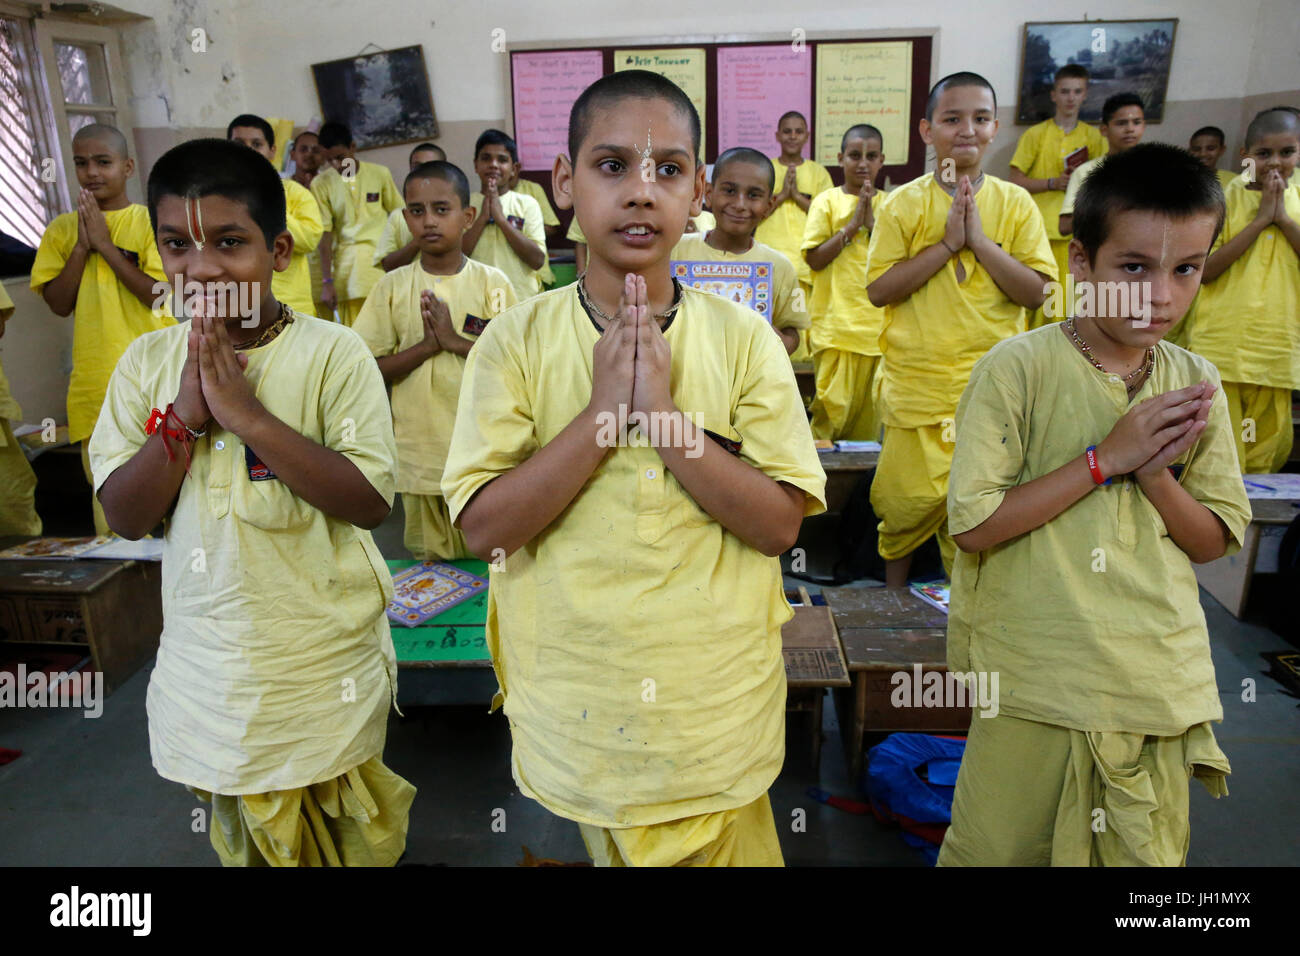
(29, 168)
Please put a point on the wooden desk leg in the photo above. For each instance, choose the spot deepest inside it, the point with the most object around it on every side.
(859, 726)
(820, 695)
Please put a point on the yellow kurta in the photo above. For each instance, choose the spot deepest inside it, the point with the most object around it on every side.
(1041, 153)
(293, 286)
(787, 310)
(842, 316)
(9, 407)
(1226, 176)
(1093, 620)
(527, 187)
(355, 211)
(1247, 321)
(108, 316)
(395, 236)
(783, 230)
(276, 668)
(424, 401)
(494, 249)
(673, 706)
(933, 338)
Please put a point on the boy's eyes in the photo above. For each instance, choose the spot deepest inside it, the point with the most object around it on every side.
(612, 165)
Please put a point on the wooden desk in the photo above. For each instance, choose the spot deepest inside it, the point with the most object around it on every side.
(114, 608)
(844, 469)
(814, 661)
(884, 631)
(1228, 578)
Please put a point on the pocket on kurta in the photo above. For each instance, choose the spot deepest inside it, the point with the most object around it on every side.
(269, 504)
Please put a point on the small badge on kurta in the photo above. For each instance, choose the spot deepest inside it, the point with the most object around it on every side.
(129, 256)
(257, 471)
(516, 221)
(372, 197)
(475, 325)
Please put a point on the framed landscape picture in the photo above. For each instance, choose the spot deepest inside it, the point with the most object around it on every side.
(1122, 56)
(383, 98)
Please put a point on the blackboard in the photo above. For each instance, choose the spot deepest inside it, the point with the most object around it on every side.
(383, 98)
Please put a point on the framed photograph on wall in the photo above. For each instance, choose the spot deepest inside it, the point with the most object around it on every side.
(383, 97)
(1122, 56)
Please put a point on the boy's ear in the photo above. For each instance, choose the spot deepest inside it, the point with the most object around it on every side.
(562, 182)
(701, 187)
(467, 212)
(128, 165)
(1077, 259)
(923, 127)
(282, 251)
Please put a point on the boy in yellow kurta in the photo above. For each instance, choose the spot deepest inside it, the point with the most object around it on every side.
(17, 480)
(264, 442)
(955, 260)
(355, 200)
(1094, 466)
(1247, 319)
(1123, 122)
(101, 263)
(396, 246)
(420, 321)
(845, 334)
(507, 230)
(1208, 144)
(740, 191)
(1039, 163)
(801, 179)
(302, 217)
(635, 625)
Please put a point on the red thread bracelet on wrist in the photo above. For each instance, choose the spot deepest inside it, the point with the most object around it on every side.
(185, 435)
(1091, 455)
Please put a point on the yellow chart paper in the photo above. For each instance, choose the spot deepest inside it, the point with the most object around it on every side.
(685, 67)
(864, 83)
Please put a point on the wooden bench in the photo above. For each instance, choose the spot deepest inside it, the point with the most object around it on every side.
(885, 631)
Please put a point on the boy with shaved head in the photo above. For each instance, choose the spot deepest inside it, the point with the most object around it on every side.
(99, 263)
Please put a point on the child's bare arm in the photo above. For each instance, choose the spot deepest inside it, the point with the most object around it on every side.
(400, 257)
(1021, 284)
(60, 293)
(1196, 529)
(328, 295)
(762, 512)
(475, 230)
(790, 339)
(532, 255)
(140, 493)
(904, 278)
(1233, 249)
(139, 283)
(1157, 425)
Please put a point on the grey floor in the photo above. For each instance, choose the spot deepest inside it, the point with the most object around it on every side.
(85, 794)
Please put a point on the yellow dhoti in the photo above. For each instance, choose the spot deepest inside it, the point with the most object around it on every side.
(1261, 426)
(843, 407)
(349, 309)
(910, 491)
(1033, 794)
(742, 837)
(359, 818)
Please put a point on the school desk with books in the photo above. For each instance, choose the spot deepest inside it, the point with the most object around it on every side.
(1275, 504)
